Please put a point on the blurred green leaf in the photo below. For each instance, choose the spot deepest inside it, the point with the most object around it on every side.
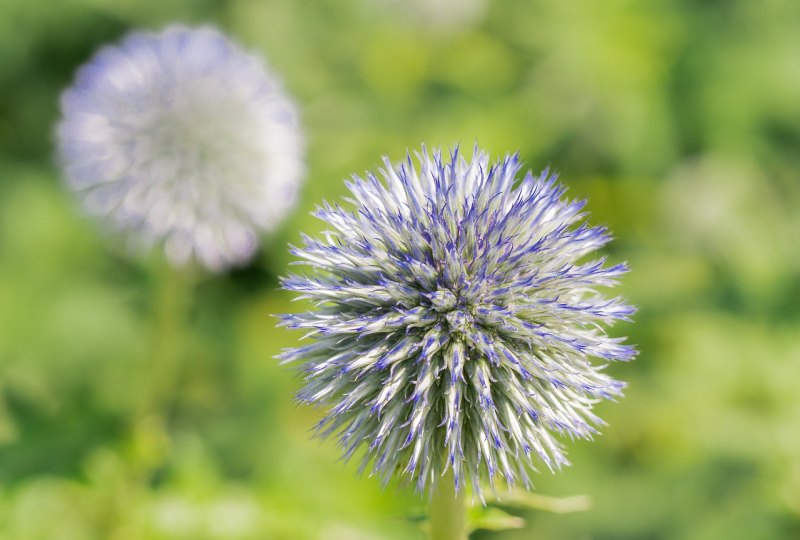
(491, 518)
(520, 498)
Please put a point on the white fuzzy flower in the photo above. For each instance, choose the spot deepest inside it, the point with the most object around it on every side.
(182, 137)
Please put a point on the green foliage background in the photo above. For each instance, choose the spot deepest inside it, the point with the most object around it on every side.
(678, 119)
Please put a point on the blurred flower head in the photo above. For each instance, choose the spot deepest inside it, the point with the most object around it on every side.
(456, 319)
(442, 15)
(182, 137)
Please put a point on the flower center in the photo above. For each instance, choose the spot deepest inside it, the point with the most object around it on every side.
(459, 320)
(443, 300)
(447, 303)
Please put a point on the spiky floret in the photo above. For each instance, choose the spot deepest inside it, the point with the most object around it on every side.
(456, 318)
(183, 137)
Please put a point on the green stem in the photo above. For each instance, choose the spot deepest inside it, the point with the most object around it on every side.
(172, 296)
(448, 510)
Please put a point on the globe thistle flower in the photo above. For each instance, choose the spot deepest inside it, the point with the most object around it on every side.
(456, 320)
(182, 137)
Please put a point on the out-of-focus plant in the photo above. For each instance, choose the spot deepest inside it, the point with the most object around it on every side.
(182, 137)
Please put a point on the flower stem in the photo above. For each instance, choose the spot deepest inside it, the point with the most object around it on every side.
(448, 510)
(172, 298)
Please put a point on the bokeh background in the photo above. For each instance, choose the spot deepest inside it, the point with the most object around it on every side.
(678, 119)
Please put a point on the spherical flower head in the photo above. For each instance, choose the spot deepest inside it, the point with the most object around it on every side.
(182, 137)
(457, 320)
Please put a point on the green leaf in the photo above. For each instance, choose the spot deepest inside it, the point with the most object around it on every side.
(492, 519)
(520, 498)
